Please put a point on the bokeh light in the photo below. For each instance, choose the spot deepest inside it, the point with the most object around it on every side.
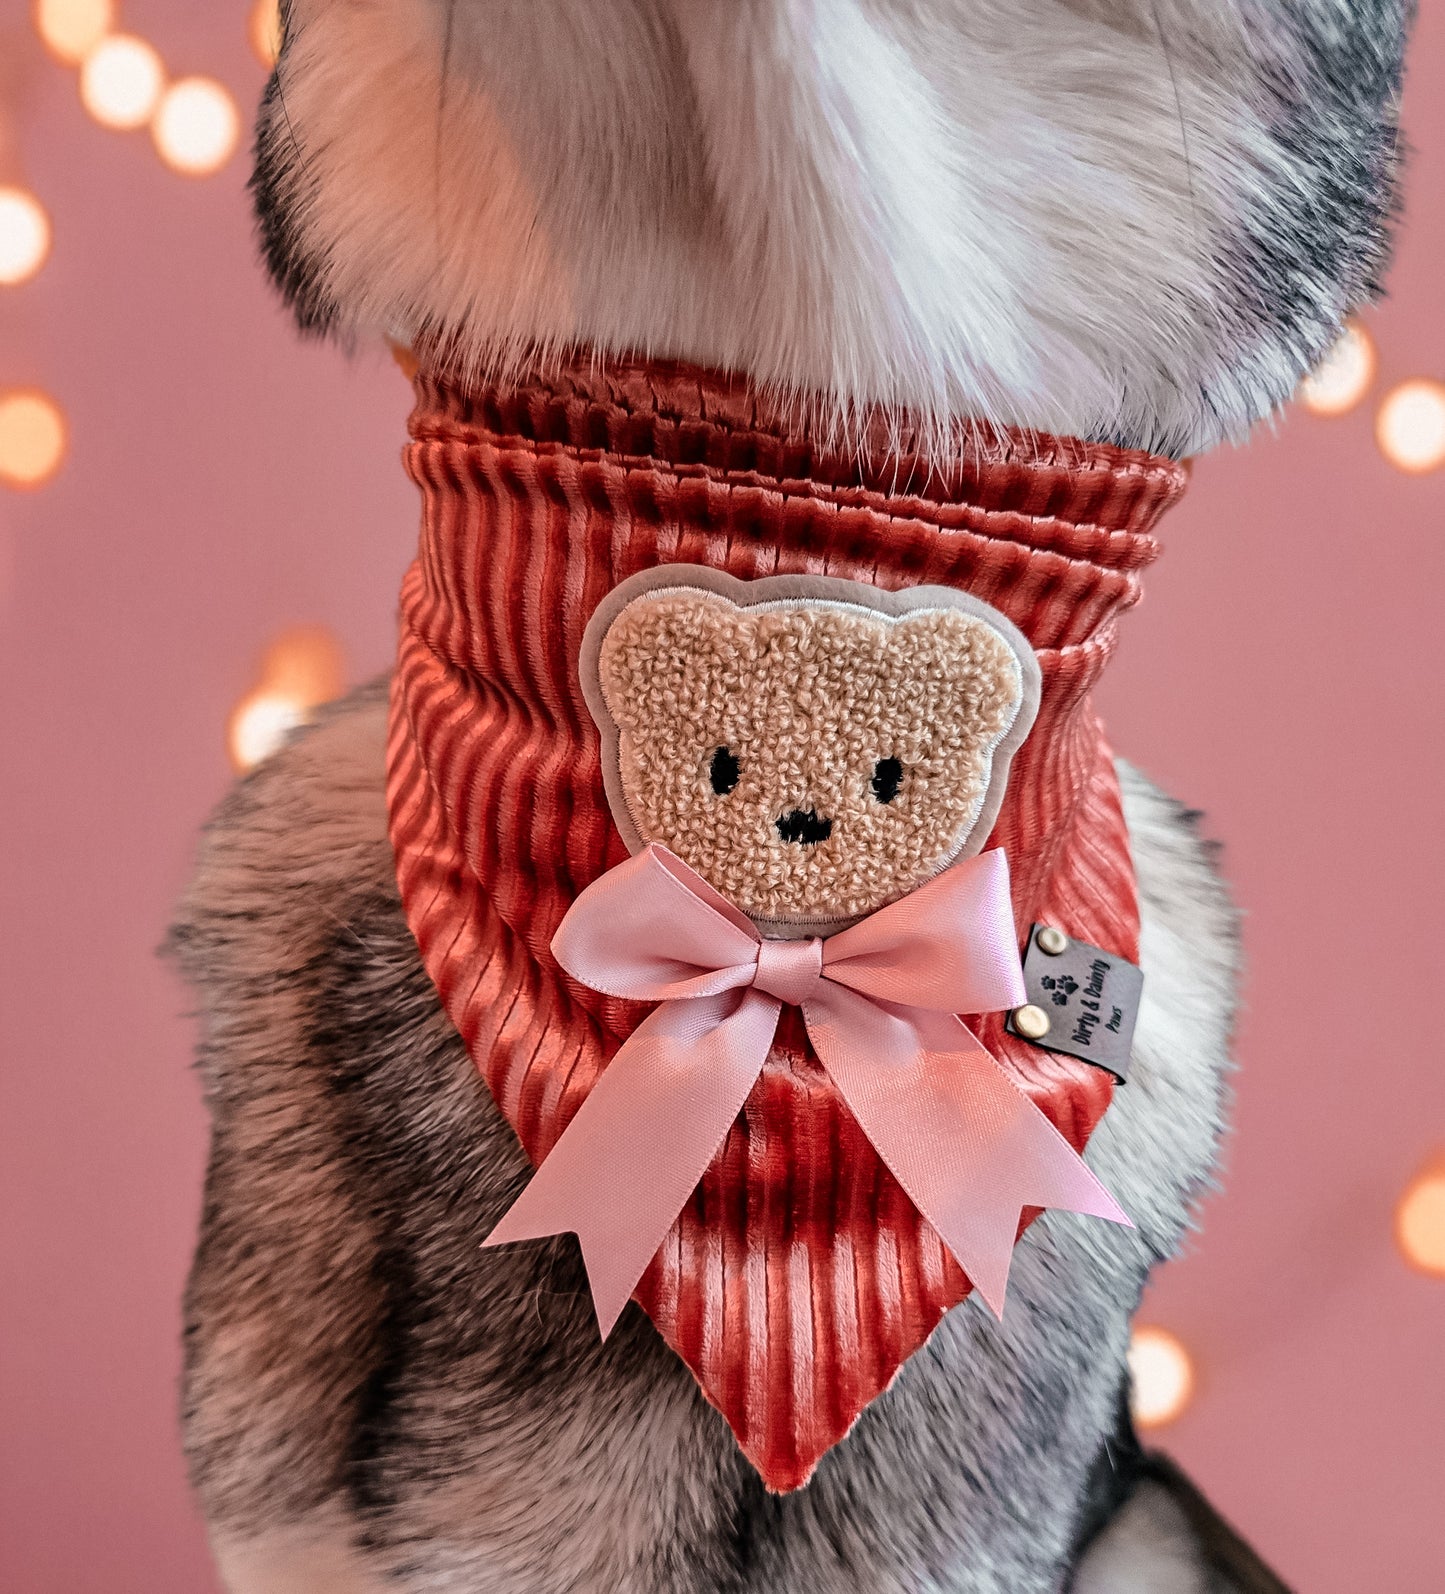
(265, 31)
(1410, 428)
(260, 724)
(121, 82)
(1161, 1374)
(1343, 377)
(71, 29)
(302, 668)
(196, 126)
(1420, 1222)
(32, 438)
(306, 663)
(24, 236)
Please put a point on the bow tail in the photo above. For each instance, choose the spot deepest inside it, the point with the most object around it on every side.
(639, 1144)
(967, 1145)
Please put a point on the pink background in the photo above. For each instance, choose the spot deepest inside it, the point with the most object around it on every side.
(226, 481)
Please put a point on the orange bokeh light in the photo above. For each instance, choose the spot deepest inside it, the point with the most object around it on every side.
(1161, 1374)
(71, 29)
(1410, 428)
(24, 236)
(196, 126)
(265, 31)
(306, 662)
(121, 82)
(32, 438)
(1343, 377)
(301, 669)
(259, 726)
(1420, 1221)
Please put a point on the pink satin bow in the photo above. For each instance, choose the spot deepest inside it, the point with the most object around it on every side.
(879, 1001)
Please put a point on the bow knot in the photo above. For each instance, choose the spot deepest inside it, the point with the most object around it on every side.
(879, 1002)
(789, 970)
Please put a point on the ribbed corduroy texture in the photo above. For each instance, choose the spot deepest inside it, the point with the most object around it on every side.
(799, 1277)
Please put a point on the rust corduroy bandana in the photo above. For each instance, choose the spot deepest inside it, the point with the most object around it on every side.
(799, 1277)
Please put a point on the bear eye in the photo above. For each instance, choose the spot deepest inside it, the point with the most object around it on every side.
(887, 777)
(723, 772)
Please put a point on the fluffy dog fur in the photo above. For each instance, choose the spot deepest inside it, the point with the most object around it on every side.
(1134, 219)
(1137, 220)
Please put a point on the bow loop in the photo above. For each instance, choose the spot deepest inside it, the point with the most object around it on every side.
(657, 933)
(948, 947)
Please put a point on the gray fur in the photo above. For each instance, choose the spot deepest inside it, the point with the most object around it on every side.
(368, 1391)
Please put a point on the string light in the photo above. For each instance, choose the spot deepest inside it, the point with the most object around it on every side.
(1420, 1222)
(121, 82)
(265, 31)
(196, 126)
(24, 236)
(32, 438)
(1411, 426)
(1161, 1377)
(302, 669)
(1343, 377)
(71, 29)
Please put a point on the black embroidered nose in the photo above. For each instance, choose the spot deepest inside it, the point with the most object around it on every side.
(803, 825)
(887, 778)
(724, 771)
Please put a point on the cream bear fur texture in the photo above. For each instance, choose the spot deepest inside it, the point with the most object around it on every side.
(811, 760)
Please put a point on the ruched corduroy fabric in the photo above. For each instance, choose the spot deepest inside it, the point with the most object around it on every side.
(799, 1277)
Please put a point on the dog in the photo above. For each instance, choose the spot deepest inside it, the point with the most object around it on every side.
(1136, 223)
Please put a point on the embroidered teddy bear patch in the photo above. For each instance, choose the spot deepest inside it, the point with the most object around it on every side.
(814, 748)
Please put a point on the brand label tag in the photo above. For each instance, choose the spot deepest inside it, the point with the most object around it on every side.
(1083, 1001)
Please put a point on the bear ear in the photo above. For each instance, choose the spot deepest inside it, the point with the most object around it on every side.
(991, 675)
(656, 642)
(649, 644)
(992, 687)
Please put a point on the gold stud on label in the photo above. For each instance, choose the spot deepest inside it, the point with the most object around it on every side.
(1052, 941)
(1031, 1022)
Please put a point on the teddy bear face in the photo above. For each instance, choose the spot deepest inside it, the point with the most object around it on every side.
(812, 760)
